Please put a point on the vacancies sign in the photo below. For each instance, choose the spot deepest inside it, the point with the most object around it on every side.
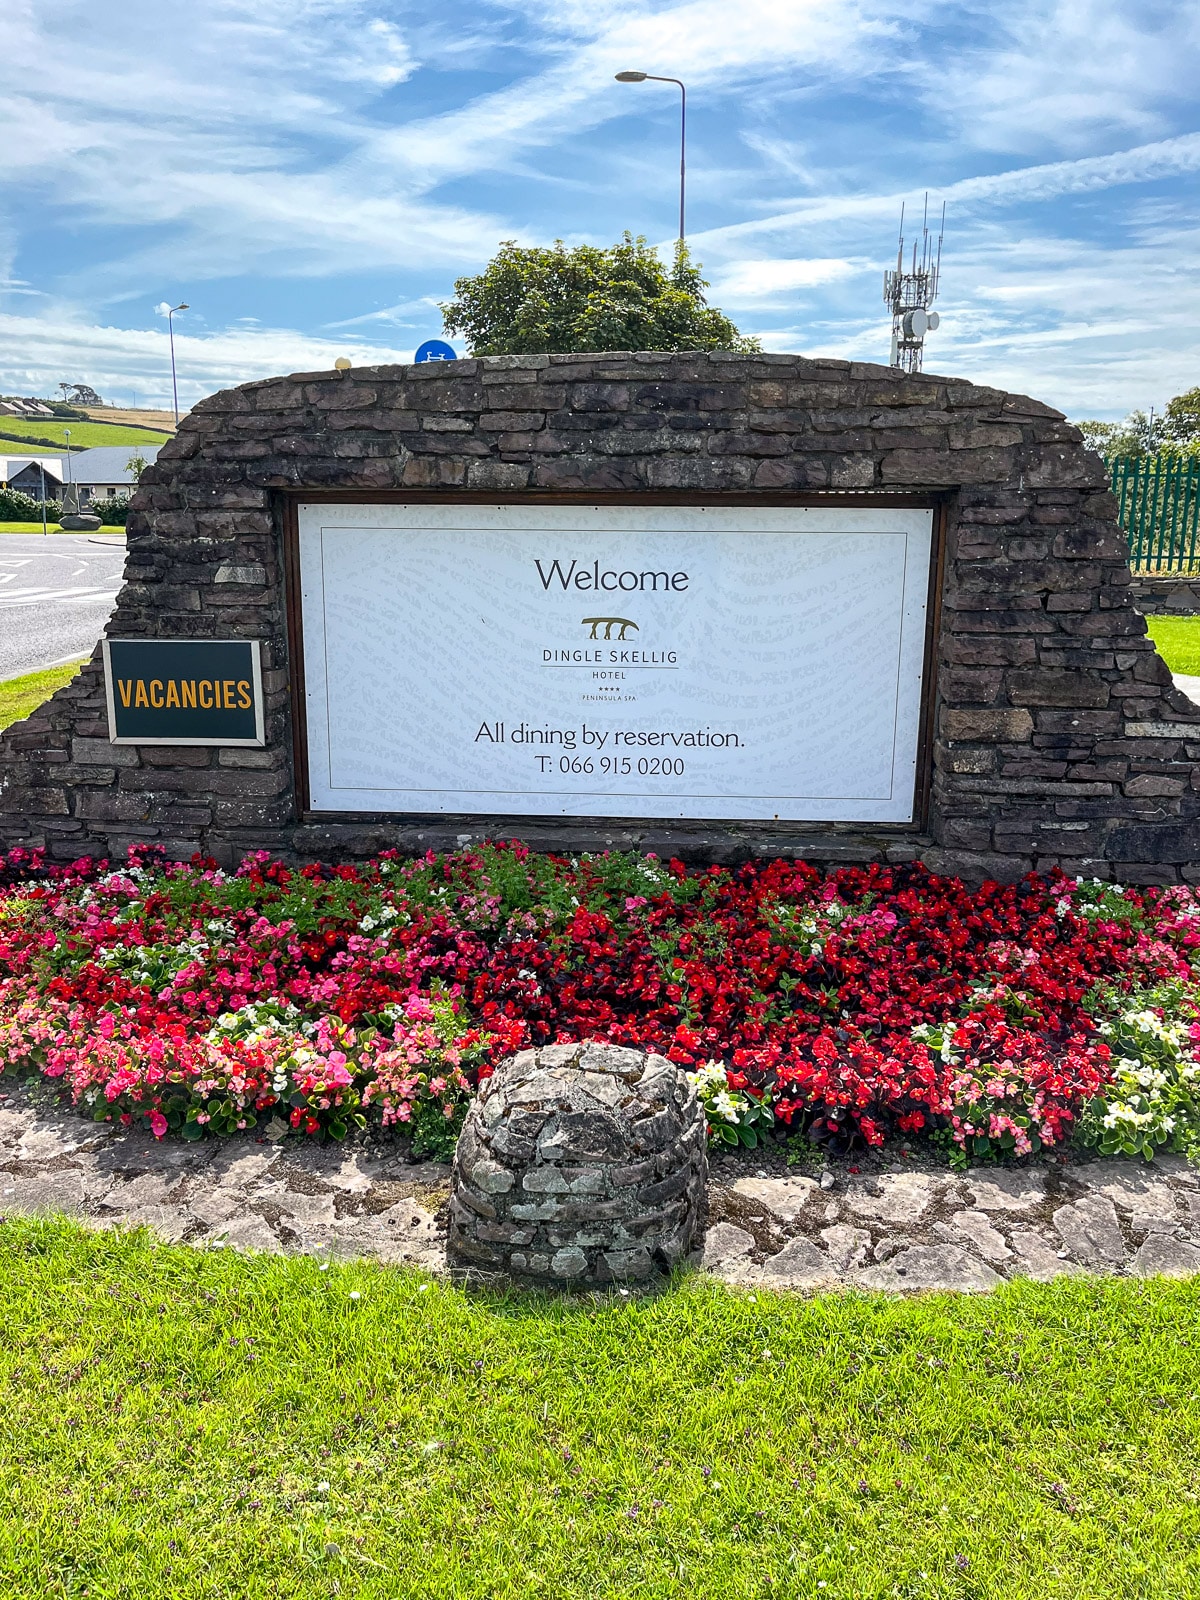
(184, 691)
(641, 661)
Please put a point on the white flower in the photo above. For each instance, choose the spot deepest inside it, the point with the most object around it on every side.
(708, 1076)
(725, 1106)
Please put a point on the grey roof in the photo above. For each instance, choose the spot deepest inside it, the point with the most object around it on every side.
(11, 465)
(108, 463)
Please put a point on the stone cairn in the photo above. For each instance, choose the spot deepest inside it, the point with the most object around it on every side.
(580, 1165)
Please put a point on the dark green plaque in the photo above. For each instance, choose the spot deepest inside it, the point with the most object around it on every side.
(184, 691)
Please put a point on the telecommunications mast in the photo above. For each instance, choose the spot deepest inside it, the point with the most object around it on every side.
(911, 293)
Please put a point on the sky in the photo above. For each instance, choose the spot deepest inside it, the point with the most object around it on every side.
(311, 176)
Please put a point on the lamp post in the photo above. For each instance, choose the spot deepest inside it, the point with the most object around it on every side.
(42, 468)
(171, 310)
(643, 77)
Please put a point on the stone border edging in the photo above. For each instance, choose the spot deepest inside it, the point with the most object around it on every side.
(901, 1230)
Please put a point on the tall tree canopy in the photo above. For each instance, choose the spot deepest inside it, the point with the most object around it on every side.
(537, 301)
(1176, 431)
(1182, 421)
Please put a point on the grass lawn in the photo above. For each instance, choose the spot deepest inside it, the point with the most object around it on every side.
(46, 431)
(20, 696)
(1177, 640)
(179, 1423)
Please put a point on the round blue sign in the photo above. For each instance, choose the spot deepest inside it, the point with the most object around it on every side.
(436, 350)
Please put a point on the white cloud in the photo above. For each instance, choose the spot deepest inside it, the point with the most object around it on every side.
(243, 141)
(1069, 70)
(1051, 316)
(749, 282)
(37, 352)
(293, 140)
(707, 43)
(1142, 164)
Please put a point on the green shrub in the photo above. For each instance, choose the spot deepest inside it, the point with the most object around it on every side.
(18, 507)
(112, 510)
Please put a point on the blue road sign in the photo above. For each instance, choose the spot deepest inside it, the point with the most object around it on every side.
(436, 350)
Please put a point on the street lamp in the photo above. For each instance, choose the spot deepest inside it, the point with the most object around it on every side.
(642, 77)
(171, 310)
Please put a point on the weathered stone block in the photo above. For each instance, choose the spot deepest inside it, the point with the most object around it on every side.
(99, 752)
(1047, 687)
(983, 725)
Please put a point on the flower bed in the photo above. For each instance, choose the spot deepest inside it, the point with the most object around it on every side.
(863, 1005)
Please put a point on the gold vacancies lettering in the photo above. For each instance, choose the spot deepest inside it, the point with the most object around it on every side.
(207, 694)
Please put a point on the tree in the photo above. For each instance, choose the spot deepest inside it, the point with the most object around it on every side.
(136, 464)
(1137, 435)
(536, 301)
(1182, 421)
(1174, 432)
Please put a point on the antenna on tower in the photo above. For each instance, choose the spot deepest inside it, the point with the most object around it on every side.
(910, 294)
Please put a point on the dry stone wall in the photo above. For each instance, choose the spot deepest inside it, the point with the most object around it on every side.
(1166, 595)
(1058, 734)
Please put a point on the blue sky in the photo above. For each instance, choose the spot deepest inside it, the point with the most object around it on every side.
(312, 175)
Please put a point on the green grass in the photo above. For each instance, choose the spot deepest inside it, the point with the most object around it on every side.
(20, 696)
(1177, 640)
(53, 527)
(44, 431)
(178, 1423)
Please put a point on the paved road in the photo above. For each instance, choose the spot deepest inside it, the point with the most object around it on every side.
(56, 594)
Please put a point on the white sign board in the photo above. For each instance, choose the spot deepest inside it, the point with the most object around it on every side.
(715, 662)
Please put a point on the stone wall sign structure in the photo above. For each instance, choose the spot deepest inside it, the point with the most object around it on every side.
(1047, 730)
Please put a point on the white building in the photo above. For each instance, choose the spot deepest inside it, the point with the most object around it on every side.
(105, 470)
(97, 473)
(28, 473)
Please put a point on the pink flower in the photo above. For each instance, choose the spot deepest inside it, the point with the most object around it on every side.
(158, 1124)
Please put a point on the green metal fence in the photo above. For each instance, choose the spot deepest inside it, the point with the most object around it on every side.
(1159, 497)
